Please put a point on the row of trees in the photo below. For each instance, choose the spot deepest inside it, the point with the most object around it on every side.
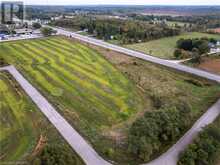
(150, 133)
(195, 22)
(206, 148)
(123, 30)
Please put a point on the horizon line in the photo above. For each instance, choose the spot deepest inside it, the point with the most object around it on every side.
(218, 5)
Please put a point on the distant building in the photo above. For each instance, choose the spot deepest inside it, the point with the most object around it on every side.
(214, 48)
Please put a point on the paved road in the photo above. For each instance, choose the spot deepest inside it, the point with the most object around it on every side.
(146, 57)
(84, 150)
(171, 156)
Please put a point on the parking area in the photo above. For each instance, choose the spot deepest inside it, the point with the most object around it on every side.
(19, 37)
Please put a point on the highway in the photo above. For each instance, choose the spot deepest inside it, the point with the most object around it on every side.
(140, 55)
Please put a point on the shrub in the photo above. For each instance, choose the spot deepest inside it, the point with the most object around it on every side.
(157, 101)
(150, 132)
(46, 31)
(109, 152)
(36, 25)
(57, 154)
(195, 82)
(178, 53)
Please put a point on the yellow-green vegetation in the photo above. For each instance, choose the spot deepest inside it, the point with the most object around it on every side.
(164, 48)
(22, 125)
(101, 99)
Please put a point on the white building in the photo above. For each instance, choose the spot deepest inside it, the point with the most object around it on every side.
(214, 50)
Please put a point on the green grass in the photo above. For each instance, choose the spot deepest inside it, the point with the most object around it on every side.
(99, 97)
(19, 124)
(164, 48)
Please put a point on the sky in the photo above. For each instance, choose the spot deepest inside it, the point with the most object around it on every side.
(121, 2)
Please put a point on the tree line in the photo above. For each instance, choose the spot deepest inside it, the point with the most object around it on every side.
(125, 31)
(195, 22)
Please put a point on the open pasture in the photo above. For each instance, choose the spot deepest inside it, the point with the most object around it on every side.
(164, 47)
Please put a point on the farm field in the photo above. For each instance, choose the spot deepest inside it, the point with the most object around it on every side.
(164, 48)
(101, 92)
(25, 135)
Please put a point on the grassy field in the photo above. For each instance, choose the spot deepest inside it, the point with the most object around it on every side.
(100, 97)
(164, 48)
(16, 112)
(24, 132)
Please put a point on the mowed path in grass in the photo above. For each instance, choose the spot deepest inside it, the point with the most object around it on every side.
(24, 132)
(164, 47)
(18, 134)
(90, 93)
